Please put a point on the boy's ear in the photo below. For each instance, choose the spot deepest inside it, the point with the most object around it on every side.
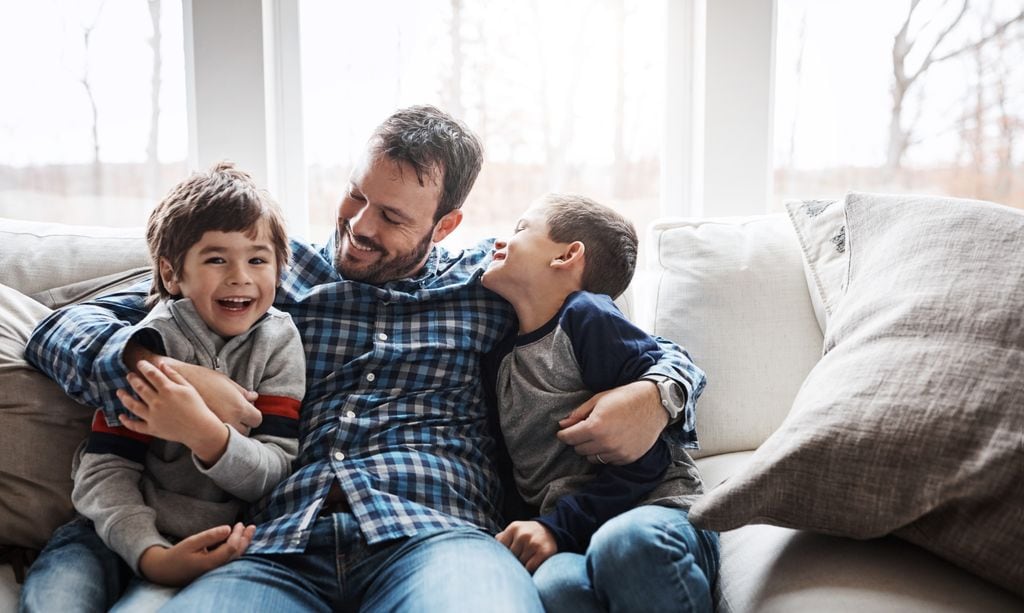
(168, 277)
(571, 256)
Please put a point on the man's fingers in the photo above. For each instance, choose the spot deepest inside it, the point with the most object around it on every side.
(575, 435)
(579, 413)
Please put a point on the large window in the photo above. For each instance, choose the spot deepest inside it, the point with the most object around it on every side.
(92, 122)
(567, 96)
(878, 95)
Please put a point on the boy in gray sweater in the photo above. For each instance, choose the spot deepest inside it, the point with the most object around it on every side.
(160, 491)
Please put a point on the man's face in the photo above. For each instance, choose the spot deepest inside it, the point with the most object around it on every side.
(386, 222)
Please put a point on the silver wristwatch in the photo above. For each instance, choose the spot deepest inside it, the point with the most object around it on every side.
(673, 398)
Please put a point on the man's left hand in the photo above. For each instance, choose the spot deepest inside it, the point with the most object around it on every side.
(617, 426)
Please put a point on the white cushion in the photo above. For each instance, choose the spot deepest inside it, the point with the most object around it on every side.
(37, 256)
(732, 292)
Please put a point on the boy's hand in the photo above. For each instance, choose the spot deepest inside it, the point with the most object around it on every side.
(530, 541)
(617, 426)
(168, 407)
(195, 555)
(231, 402)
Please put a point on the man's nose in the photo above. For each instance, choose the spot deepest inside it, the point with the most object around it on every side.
(359, 220)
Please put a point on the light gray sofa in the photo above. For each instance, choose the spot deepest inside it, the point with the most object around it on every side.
(732, 291)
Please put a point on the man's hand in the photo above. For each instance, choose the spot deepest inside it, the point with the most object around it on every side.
(168, 407)
(195, 555)
(618, 425)
(231, 402)
(530, 541)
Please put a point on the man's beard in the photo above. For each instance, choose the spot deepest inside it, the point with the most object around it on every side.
(389, 267)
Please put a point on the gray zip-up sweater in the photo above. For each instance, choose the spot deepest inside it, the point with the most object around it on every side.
(141, 491)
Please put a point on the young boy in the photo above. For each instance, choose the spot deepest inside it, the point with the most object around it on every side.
(166, 508)
(569, 256)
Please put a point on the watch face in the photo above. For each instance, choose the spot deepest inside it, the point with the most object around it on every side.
(675, 393)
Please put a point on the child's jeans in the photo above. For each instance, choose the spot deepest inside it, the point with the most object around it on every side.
(648, 559)
(77, 572)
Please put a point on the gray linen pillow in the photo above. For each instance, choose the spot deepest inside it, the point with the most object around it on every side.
(40, 428)
(913, 421)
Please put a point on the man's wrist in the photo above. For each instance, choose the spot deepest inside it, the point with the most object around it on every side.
(671, 395)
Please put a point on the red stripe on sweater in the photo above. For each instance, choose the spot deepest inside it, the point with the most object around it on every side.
(99, 424)
(281, 406)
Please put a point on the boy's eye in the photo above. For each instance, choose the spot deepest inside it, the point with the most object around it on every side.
(257, 261)
(215, 260)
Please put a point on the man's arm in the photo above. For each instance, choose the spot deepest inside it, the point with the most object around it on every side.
(89, 348)
(622, 423)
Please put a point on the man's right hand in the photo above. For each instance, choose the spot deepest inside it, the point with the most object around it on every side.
(197, 554)
(228, 400)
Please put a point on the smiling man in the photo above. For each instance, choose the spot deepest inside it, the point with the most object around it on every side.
(395, 493)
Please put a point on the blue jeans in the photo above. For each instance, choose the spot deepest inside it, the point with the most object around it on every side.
(648, 559)
(77, 572)
(455, 570)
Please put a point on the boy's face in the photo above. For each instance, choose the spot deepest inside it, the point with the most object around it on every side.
(230, 278)
(521, 261)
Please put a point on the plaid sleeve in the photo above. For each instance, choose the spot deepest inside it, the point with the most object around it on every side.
(676, 363)
(80, 348)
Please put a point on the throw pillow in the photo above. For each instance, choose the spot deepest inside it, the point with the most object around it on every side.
(913, 421)
(820, 227)
(40, 428)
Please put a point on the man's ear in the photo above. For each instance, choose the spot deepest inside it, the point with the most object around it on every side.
(446, 225)
(570, 257)
(168, 277)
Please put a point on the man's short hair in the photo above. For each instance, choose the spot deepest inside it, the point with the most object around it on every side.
(439, 148)
(609, 240)
(224, 199)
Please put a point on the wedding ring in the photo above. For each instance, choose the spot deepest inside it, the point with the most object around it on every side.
(599, 458)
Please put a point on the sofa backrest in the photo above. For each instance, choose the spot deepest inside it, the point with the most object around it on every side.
(38, 256)
(732, 291)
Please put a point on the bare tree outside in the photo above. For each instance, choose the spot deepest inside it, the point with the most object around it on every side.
(953, 108)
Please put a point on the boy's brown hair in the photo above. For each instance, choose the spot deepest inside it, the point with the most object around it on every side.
(609, 240)
(224, 199)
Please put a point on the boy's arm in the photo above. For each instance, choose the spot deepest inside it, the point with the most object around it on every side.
(622, 421)
(614, 490)
(251, 467)
(106, 490)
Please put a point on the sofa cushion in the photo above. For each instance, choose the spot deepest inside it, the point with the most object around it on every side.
(911, 423)
(37, 256)
(732, 292)
(40, 428)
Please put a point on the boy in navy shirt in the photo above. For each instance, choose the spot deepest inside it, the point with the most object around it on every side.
(568, 258)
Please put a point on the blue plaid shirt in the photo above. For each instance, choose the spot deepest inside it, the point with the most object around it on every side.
(394, 409)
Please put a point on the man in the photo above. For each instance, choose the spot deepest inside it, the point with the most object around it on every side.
(393, 500)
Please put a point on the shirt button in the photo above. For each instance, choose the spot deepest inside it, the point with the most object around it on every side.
(350, 414)
(382, 336)
(371, 377)
(339, 456)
